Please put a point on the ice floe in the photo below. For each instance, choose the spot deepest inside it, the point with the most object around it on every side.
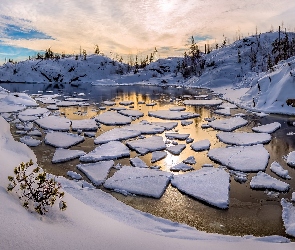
(172, 115)
(176, 149)
(116, 134)
(109, 151)
(96, 172)
(90, 134)
(177, 108)
(278, 170)
(126, 103)
(158, 155)
(181, 167)
(30, 141)
(288, 215)
(140, 181)
(227, 105)
(35, 132)
(133, 113)
(113, 118)
(186, 123)
(146, 145)
(62, 140)
(210, 185)
(225, 111)
(190, 160)
(240, 177)
(146, 128)
(228, 124)
(34, 111)
(241, 158)
(265, 181)
(267, 128)
(10, 108)
(243, 138)
(54, 123)
(67, 104)
(291, 159)
(85, 125)
(74, 175)
(202, 102)
(166, 125)
(177, 136)
(52, 107)
(201, 145)
(63, 155)
(27, 118)
(109, 103)
(137, 162)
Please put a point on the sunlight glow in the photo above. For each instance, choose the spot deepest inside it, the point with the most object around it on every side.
(166, 5)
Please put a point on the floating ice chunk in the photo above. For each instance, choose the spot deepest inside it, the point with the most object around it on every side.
(62, 140)
(47, 100)
(190, 160)
(113, 118)
(210, 185)
(140, 181)
(186, 123)
(126, 103)
(209, 119)
(10, 108)
(21, 132)
(52, 107)
(241, 158)
(166, 125)
(27, 118)
(207, 165)
(267, 128)
(291, 159)
(227, 105)
(118, 108)
(240, 177)
(225, 111)
(200, 96)
(177, 149)
(90, 134)
(109, 103)
(146, 145)
(189, 140)
(260, 114)
(240, 114)
(288, 215)
(278, 170)
(116, 134)
(86, 125)
(158, 155)
(265, 181)
(202, 102)
(146, 128)
(35, 112)
(133, 113)
(28, 126)
(54, 123)
(201, 145)
(205, 126)
(293, 196)
(109, 151)
(177, 108)
(137, 162)
(35, 132)
(151, 104)
(172, 115)
(181, 167)
(141, 102)
(243, 138)
(66, 104)
(228, 124)
(76, 99)
(96, 172)
(74, 175)
(63, 155)
(102, 108)
(28, 140)
(177, 136)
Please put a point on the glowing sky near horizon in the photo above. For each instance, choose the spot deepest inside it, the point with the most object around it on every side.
(132, 26)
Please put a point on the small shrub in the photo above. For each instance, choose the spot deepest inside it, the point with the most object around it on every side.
(35, 189)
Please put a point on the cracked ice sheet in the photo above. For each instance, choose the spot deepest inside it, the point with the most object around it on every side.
(116, 134)
(140, 181)
(202, 102)
(62, 140)
(85, 125)
(267, 128)
(108, 151)
(96, 172)
(288, 215)
(172, 115)
(54, 123)
(150, 144)
(228, 124)
(241, 158)
(113, 118)
(243, 138)
(265, 181)
(34, 112)
(30, 141)
(63, 155)
(210, 185)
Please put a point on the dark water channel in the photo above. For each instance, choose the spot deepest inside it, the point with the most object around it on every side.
(250, 212)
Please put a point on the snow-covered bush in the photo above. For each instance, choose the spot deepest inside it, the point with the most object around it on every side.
(35, 189)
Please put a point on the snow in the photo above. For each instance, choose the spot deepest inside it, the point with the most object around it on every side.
(54, 123)
(228, 124)
(96, 172)
(109, 151)
(116, 134)
(146, 145)
(158, 155)
(177, 149)
(140, 181)
(177, 136)
(278, 170)
(113, 118)
(241, 158)
(181, 167)
(62, 140)
(267, 128)
(243, 138)
(172, 115)
(63, 155)
(210, 185)
(288, 216)
(74, 175)
(202, 102)
(30, 141)
(201, 145)
(265, 181)
(85, 125)
(34, 112)
(133, 113)
(291, 159)
(137, 162)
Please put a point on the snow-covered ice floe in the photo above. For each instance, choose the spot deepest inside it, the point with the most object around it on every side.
(146, 128)
(176, 149)
(243, 138)
(240, 177)
(227, 105)
(291, 159)
(126, 103)
(158, 155)
(166, 125)
(85, 125)
(109, 151)
(137, 162)
(62, 140)
(228, 124)
(30, 141)
(172, 115)
(202, 102)
(241, 158)
(288, 215)
(225, 111)
(201, 145)
(181, 167)
(133, 113)
(267, 128)
(74, 175)
(177, 108)
(113, 118)
(54, 123)
(96, 172)
(34, 111)
(116, 134)
(177, 136)
(186, 123)
(63, 155)
(140, 181)
(35, 132)
(265, 181)
(278, 170)
(210, 185)
(146, 145)
(190, 160)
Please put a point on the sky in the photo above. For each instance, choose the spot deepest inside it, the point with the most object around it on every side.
(129, 27)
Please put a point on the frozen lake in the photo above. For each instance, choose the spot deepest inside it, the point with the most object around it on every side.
(250, 211)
